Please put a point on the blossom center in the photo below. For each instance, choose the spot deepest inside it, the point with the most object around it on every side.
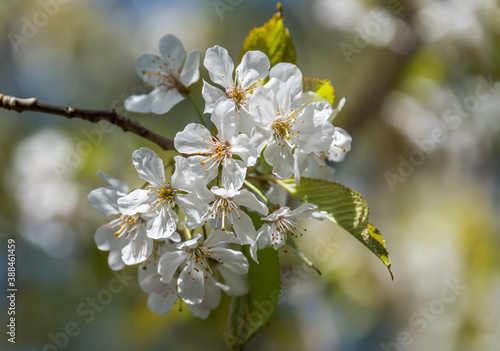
(281, 228)
(237, 93)
(218, 153)
(282, 129)
(199, 259)
(168, 77)
(220, 209)
(166, 194)
(126, 226)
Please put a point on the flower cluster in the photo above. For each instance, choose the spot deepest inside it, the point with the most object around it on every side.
(185, 231)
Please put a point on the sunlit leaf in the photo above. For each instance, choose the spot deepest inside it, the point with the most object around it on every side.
(273, 39)
(343, 206)
(323, 88)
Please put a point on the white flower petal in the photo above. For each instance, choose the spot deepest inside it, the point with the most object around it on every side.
(169, 99)
(135, 202)
(145, 103)
(234, 260)
(224, 192)
(304, 211)
(172, 51)
(192, 243)
(280, 158)
(254, 65)
(322, 110)
(220, 237)
(264, 236)
(341, 144)
(162, 302)
(104, 237)
(312, 166)
(242, 147)
(284, 71)
(203, 167)
(168, 264)
(245, 122)
(248, 199)
(104, 200)
(191, 72)
(233, 173)
(193, 139)
(289, 94)
(147, 275)
(210, 301)
(225, 119)
(275, 85)
(115, 261)
(243, 227)
(194, 209)
(262, 108)
(312, 136)
(184, 178)
(138, 250)
(211, 95)
(261, 137)
(149, 166)
(148, 68)
(191, 284)
(164, 223)
(219, 65)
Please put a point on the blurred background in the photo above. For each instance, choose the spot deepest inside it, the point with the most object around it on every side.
(423, 109)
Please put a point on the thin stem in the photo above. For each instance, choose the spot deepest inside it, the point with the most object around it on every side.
(188, 233)
(32, 104)
(256, 190)
(219, 177)
(198, 111)
(204, 232)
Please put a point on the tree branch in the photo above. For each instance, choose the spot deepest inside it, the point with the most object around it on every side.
(94, 116)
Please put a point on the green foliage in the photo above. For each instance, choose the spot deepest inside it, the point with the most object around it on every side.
(323, 88)
(343, 206)
(249, 313)
(273, 39)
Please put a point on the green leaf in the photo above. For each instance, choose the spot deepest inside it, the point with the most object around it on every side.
(247, 314)
(343, 206)
(323, 88)
(273, 39)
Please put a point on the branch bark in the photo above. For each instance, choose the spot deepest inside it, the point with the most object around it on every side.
(94, 116)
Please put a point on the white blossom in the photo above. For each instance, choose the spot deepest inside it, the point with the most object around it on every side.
(283, 222)
(285, 122)
(225, 213)
(196, 258)
(315, 164)
(164, 74)
(209, 152)
(160, 197)
(125, 236)
(254, 67)
(161, 296)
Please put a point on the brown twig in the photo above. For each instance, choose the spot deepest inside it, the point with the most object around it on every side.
(94, 116)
